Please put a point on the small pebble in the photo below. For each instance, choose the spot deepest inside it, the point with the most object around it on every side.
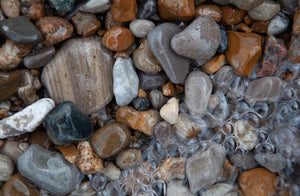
(33, 10)
(168, 89)
(265, 11)
(260, 27)
(141, 103)
(11, 8)
(39, 58)
(124, 10)
(173, 10)
(27, 94)
(70, 152)
(117, 39)
(86, 24)
(6, 168)
(232, 15)
(110, 22)
(221, 189)
(9, 84)
(169, 111)
(213, 11)
(177, 188)
(214, 64)
(96, 6)
(62, 5)
(245, 134)
(151, 81)
(141, 27)
(278, 24)
(41, 138)
(129, 158)
(172, 168)
(12, 150)
(111, 171)
(157, 99)
(148, 9)
(186, 128)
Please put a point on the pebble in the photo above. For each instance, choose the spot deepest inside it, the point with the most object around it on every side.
(273, 162)
(86, 24)
(187, 128)
(168, 89)
(6, 168)
(18, 185)
(275, 53)
(110, 140)
(151, 81)
(278, 24)
(9, 84)
(296, 24)
(214, 64)
(118, 39)
(48, 170)
(200, 40)
(32, 9)
(141, 103)
(31, 117)
(84, 188)
(20, 29)
(141, 121)
(66, 123)
(70, 152)
(110, 22)
(126, 81)
(246, 4)
(243, 160)
(177, 188)
(258, 181)
(147, 9)
(27, 94)
(12, 150)
(265, 11)
(129, 158)
(12, 53)
(200, 174)
(266, 89)
(157, 99)
(111, 171)
(54, 29)
(62, 5)
(88, 162)
(11, 8)
(175, 66)
(176, 10)
(197, 96)
(260, 27)
(169, 111)
(245, 134)
(124, 10)
(141, 27)
(221, 189)
(232, 15)
(39, 58)
(99, 181)
(79, 75)
(229, 172)
(96, 6)
(172, 168)
(144, 59)
(294, 50)
(223, 42)
(243, 27)
(243, 52)
(289, 6)
(41, 138)
(213, 11)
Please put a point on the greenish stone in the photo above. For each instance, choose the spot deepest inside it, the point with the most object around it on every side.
(67, 123)
(62, 5)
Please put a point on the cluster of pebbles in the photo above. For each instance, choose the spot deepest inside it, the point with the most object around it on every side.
(150, 97)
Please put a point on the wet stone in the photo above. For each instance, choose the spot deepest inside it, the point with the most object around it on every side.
(70, 152)
(245, 134)
(96, 6)
(214, 64)
(141, 27)
(213, 11)
(221, 189)
(62, 5)
(243, 160)
(118, 39)
(151, 81)
(232, 15)
(85, 23)
(110, 22)
(48, 170)
(157, 99)
(246, 4)
(11, 8)
(6, 168)
(147, 9)
(187, 128)
(111, 171)
(9, 84)
(39, 58)
(294, 50)
(12, 150)
(129, 158)
(67, 123)
(169, 111)
(278, 24)
(173, 10)
(124, 10)
(265, 11)
(172, 168)
(141, 103)
(272, 162)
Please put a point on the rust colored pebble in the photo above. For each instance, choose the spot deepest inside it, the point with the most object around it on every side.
(258, 182)
(33, 10)
(70, 152)
(124, 10)
(214, 64)
(54, 29)
(85, 23)
(296, 25)
(118, 39)
(122, 54)
(168, 89)
(260, 27)
(244, 27)
(232, 15)
(142, 93)
(176, 10)
(213, 11)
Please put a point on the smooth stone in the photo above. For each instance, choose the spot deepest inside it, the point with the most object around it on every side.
(84, 78)
(273, 162)
(86, 24)
(32, 9)
(62, 5)
(12, 150)
(172, 168)
(187, 128)
(18, 185)
(48, 170)
(70, 152)
(221, 189)
(20, 29)
(147, 9)
(41, 138)
(27, 94)
(232, 15)
(96, 6)
(141, 103)
(98, 181)
(214, 64)
(213, 11)
(204, 167)
(31, 117)
(110, 22)
(157, 99)
(151, 81)
(124, 10)
(110, 139)
(199, 41)
(265, 11)
(6, 168)
(245, 134)
(223, 42)
(169, 111)
(129, 158)
(177, 188)
(126, 81)
(197, 96)
(266, 89)
(11, 8)
(243, 160)
(180, 10)
(245, 4)
(39, 58)
(165, 134)
(118, 39)
(141, 27)
(111, 171)
(278, 24)
(159, 39)
(294, 50)
(67, 123)
(9, 84)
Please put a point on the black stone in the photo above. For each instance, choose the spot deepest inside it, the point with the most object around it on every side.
(39, 58)
(141, 103)
(67, 123)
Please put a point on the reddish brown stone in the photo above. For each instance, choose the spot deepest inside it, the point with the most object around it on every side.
(243, 52)
(118, 39)
(179, 88)
(110, 22)
(33, 10)
(232, 15)
(229, 170)
(214, 64)
(213, 11)
(85, 23)
(176, 9)
(124, 10)
(244, 27)
(247, 19)
(54, 29)
(168, 89)
(296, 25)
(41, 138)
(70, 152)
(260, 27)
(101, 33)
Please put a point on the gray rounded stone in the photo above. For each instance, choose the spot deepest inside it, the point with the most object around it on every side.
(141, 27)
(278, 24)
(6, 168)
(245, 4)
(265, 11)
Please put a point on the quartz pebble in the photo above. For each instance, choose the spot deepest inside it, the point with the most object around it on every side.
(172, 168)
(6, 168)
(129, 158)
(177, 188)
(265, 11)
(245, 134)
(169, 112)
(157, 99)
(31, 117)
(118, 39)
(112, 171)
(39, 58)
(124, 10)
(11, 8)
(173, 10)
(213, 11)
(48, 170)
(85, 23)
(278, 24)
(27, 94)
(272, 162)
(9, 84)
(126, 81)
(141, 27)
(221, 189)
(96, 6)
(70, 152)
(187, 128)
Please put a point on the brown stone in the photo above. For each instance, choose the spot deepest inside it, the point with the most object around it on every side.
(176, 9)
(54, 29)
(296, 25)
(118, 39)
(142, 121)
(110, 22)
(17, 185)
(142, 93)
(129, 158)
(34, 10)
(229, 170)
(11, 8)
(13, 149)
(27, 94)
(168, 89)
(70, 152)
(3, 113)
(186, 128)
(110, 139)
(41, 138)
(101, 33)
(244, 27)
(179, 88)
(213, 11)
(214, 64)
(247, 19)
(258, 181)
(9, 84)
(124, 10)
(243, 52)
(214, 101)
(260, 27)
(86, 24)
(232, 15)
(172, 168)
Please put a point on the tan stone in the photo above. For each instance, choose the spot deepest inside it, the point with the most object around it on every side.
(70, 152)
(214, 64)
(172, 168)
(169, 111)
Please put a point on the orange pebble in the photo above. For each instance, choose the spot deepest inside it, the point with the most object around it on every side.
(124, 10)
(213, 11)
(118, 39)
(142, 93)
(168, 89)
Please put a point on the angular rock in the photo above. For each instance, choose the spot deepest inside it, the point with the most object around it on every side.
(62, 5)
(129, 158)
(84, 78)
(31, 117)
(278, 24)
(172, 168)
(273, 162)
(66, 123)
(265, 11)
(9, 84)
(126, 81)
(110, 139)
(6, 168)
(213, 11)
(197, 96)
(11, 8)
(175, 66)
(204, 167)
(294, 50)
(200, 40)
(124, 10)
(86, 24)
(96, 6)
(176, 10)
(186, 128)
(20, 29)
(177, 188)
(118, 39)
(151, 81)
(39, 58)
(48, 170)
(221, 189)
(141, 27)
(70, 152)
(245, 4)
(169, 112)
(245, 134)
